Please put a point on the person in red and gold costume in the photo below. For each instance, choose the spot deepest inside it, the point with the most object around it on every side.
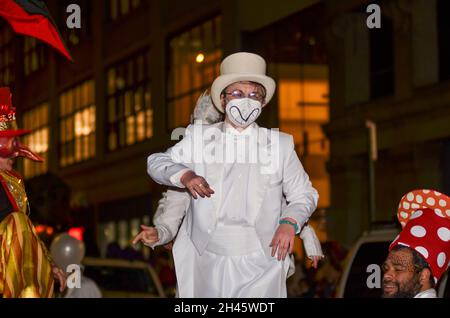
(26, 267)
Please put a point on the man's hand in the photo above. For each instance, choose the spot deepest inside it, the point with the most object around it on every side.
(148, 235)
(196, 185)
(315, 261)
(59, 276)
(169, 246)
(283, 240)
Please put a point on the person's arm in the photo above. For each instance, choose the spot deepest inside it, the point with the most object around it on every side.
(168, 167)
(175, 167)
(300, 195)
(169, 215)
(312, 245)
(171, 210)
(301, 201)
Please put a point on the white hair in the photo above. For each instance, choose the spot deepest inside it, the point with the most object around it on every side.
(205, 111)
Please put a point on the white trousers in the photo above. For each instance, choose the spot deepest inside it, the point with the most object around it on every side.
(233, 266)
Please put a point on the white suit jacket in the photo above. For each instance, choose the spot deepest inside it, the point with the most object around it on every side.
(267, 183)
(174, 205)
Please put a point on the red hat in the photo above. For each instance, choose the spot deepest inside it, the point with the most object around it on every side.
(425, 218)
(10, 147)
(8, 126)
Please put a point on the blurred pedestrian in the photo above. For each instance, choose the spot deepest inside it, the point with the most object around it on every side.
(113, 250)
(329, 273)
(68, 251)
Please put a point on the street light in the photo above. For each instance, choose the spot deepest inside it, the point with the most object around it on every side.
(200, 58)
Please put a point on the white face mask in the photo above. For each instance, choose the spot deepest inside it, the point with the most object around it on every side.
(243, 112)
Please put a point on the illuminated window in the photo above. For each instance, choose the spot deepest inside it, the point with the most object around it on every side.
(145, 251)
(34, 55)
(38, 140)
(120, 8)
(77, 124)
(130, 114)
(123, 236)
(6, 56)
(108, 235)
(303, 104)
(193, 65)
(303, 109)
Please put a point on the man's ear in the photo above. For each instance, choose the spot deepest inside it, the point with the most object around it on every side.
(425, 276)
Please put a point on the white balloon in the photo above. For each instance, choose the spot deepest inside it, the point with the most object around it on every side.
(67, 250)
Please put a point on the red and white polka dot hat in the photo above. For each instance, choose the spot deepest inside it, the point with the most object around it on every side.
(425, 218)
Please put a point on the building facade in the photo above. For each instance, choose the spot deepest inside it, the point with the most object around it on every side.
(396, 76)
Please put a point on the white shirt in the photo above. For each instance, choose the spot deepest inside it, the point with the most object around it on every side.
(429, 293)
(236, 179)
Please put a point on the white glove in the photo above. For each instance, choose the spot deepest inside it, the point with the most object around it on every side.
(311, 242)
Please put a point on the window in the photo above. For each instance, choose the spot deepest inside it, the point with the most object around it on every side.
(77, 124)
(34, 55)
(124, 236)
(107, 234)
(120, 8)
(194, 64)
(117, 230)
(6, 55)
(382, 60)
(37, 121)
(130, 115)
(303, 109)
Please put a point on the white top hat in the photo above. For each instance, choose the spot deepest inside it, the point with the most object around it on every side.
(240, 67)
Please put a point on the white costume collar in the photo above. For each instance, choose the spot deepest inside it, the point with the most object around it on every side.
(233, 131)
(429, 293)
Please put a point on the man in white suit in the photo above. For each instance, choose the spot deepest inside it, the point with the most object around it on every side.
(237, 174)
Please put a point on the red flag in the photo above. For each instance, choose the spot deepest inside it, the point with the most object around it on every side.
(32, 18)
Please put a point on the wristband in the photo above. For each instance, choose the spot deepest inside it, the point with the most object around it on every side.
(295, 225)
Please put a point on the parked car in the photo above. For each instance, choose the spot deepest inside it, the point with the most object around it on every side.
(118, 278)
(372, 248)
